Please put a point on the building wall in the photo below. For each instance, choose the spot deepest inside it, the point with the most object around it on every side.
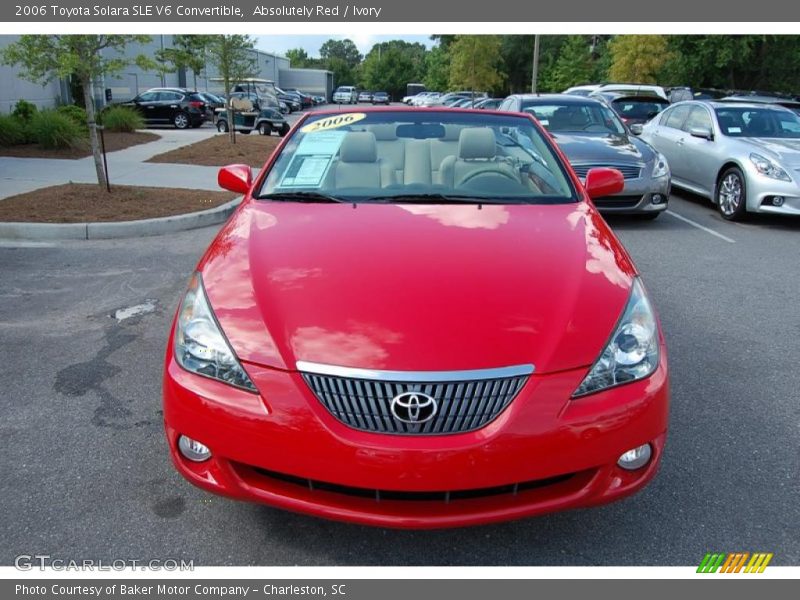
(14, 88)
(133, 80)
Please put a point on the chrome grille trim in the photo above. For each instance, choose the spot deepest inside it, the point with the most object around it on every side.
(466, 400)
(628, 171)
(413, 376)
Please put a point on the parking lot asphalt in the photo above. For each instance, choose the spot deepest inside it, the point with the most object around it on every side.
(86, 472)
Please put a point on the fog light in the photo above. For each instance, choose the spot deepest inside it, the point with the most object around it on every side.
(636, 458)
(193, 450)
(657, 199)
(777, 201)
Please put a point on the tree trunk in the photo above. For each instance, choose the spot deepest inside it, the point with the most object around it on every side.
(86, 84)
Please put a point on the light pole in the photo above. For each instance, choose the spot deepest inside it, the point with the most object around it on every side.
(535, 68)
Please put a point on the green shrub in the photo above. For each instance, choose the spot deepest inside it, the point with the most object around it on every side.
(13, 131)
(121, 118)
(24, 110)
(76, 113)
(52, 129)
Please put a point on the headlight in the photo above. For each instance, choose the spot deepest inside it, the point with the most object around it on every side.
(200, 346)
(661, 166)
(632, 352)
(766, 167)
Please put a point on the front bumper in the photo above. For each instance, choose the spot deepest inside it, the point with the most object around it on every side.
(761, 190)
(544, 453)
(641, 195)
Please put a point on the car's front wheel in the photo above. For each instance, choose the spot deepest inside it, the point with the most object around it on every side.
(732, 194)
(264, 128)
(181, 120)
(284, 130)
(222, 126)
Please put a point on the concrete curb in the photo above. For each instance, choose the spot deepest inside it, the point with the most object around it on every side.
(121, 229)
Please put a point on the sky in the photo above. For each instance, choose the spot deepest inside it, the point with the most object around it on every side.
(279, 44)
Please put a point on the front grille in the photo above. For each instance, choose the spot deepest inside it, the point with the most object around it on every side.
(314, 485)
(617, 201)
(628, 171)
(462, 401)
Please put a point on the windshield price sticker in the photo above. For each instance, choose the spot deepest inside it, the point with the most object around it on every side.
(312, 160)
(333, 122)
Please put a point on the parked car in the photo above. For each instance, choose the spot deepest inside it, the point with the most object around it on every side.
(452, 97)
(426, 99)
(790, 103)
(633, 108)
(744, 157)
(179, 107)
(318, 99)
(489, 103)
(365, 96)
(582, 90)
(532, 378)
(213, 102)
(306, 100)
(633, 89)
(682, 94)
(380, 98)
(250, 115)
(592, 135)
(345, 94)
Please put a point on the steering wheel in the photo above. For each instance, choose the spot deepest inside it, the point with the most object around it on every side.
(487, 171)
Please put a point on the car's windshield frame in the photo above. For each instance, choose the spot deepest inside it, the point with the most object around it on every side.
(543, 177)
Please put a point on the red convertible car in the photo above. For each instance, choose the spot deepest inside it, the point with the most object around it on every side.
(417, 318)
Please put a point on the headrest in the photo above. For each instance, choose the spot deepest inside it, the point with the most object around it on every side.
(476, 142)
(384, 132)
(451, 132)
(358, 147)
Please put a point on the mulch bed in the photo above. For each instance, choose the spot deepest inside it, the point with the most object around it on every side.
(114, 141)
(217, 151)
(85, 202)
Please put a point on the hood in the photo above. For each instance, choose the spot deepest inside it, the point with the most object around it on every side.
(786, 151)
(417, 287)
(609, 147)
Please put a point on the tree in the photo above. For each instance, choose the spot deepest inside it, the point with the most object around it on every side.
(390, 66)
(475, 63)
(88, 58)
(437, 69)
(232, 56)
(188, 52)
(345, 50)
(574, 64)
(638, 58)
(298, 58)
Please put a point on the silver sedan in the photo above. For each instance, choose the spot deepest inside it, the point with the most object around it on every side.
(743, 157)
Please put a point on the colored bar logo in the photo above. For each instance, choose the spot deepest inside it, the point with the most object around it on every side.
(735, 562)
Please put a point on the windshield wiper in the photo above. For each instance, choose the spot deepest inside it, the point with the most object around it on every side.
(432, 199)
(301, 197)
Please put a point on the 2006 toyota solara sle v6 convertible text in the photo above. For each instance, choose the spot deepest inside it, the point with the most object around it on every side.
(417, 318)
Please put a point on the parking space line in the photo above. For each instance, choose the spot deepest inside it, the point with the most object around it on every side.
(703, 227)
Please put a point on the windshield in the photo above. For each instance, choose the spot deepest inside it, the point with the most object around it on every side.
(758, 122)
(576, 118)
(432, 157)
(639, 108)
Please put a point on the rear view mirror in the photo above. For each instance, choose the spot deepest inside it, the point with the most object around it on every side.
(636, 129)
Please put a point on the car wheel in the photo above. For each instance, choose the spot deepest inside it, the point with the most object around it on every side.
(284, 130)
(732, 194)
(264, 128)
(222, 126)
(181, 120)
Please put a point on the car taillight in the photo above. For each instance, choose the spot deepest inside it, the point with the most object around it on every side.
(197, 104)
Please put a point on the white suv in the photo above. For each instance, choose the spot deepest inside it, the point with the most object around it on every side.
(345, 94)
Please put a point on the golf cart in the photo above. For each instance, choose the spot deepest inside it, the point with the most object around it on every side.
(255, 105)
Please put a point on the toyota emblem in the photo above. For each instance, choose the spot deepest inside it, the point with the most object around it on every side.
(414, 407)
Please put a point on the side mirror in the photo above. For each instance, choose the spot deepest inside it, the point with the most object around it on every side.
(636, 129)
(701, 132)
(235, 178)
(603, 182)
